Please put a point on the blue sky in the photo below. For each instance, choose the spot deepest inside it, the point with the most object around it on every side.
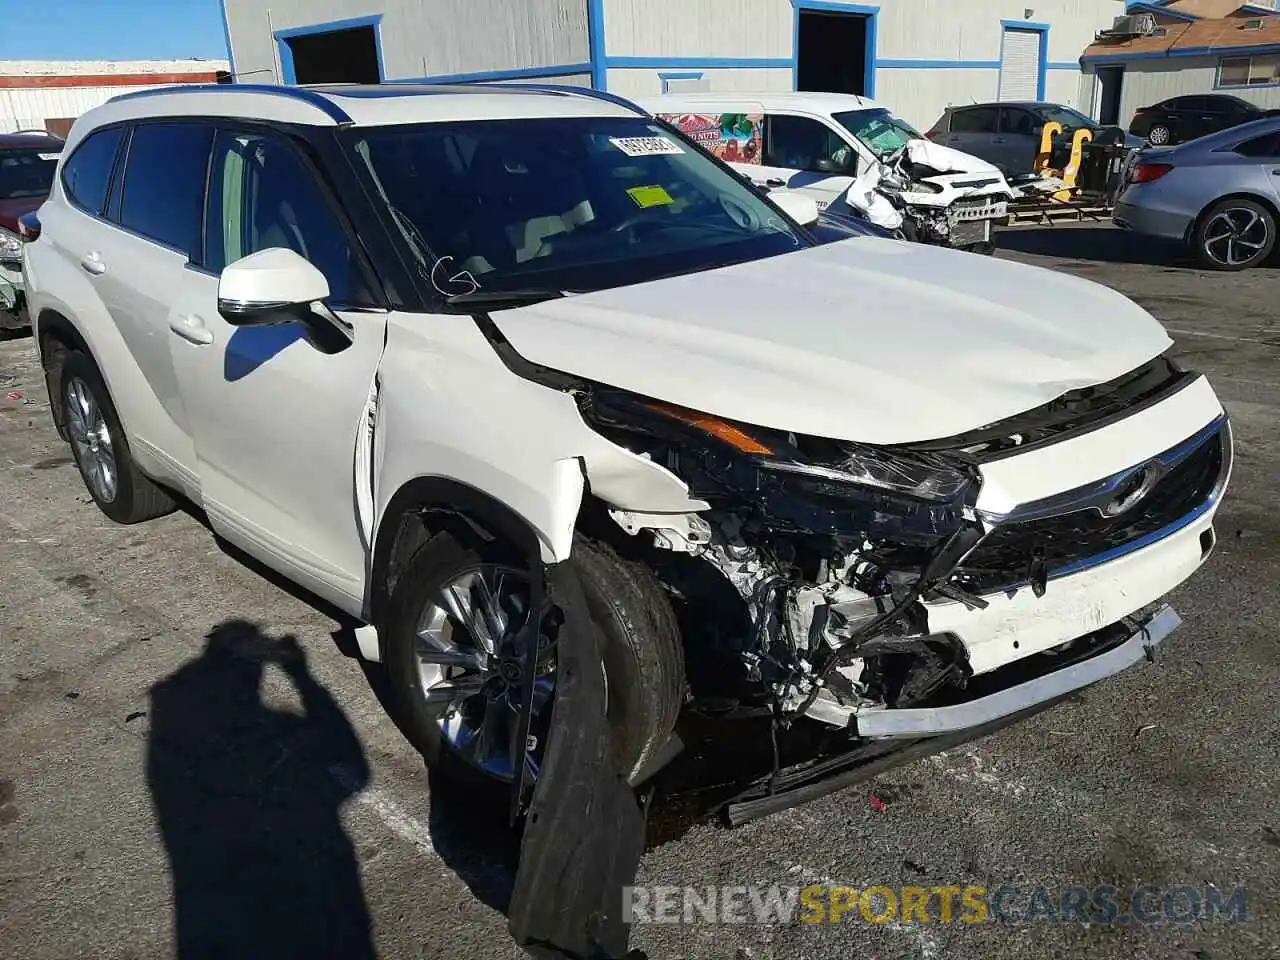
(111, 29)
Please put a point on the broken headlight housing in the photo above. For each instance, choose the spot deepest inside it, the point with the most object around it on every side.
(797, 483)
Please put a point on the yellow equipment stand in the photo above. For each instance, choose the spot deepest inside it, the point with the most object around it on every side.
(1067, 174)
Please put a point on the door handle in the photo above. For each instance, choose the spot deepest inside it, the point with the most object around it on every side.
(191, 329)
(92, 263)
(998, 140)
(775, 182)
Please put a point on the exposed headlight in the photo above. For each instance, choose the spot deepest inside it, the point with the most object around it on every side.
(923, 186)
(10, 245)
(797, 482)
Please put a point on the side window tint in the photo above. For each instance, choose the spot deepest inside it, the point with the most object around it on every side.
(163, 190)
(87, 172)
(801, 143)
(1267, 145)
(1016, 122)
(261, 195)
(976, 120)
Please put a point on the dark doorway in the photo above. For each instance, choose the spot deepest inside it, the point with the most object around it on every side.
(336, 56)
(832, 52)
(1112, 80)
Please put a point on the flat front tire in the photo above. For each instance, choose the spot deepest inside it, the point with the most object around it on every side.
(451, 651)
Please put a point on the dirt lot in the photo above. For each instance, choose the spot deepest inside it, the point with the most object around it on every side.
(144, 776)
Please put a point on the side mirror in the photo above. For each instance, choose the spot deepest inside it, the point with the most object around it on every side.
(803, 210)
(257, 288)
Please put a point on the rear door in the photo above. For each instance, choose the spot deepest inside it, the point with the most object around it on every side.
(139, 266)
(974, 130)
(1188, 118)
(804, 153)
(1016, 141)
(1264, 151)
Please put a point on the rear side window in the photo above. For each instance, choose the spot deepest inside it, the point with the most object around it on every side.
(87, 172)
(975, 120)
(164, 178)
(1015, 121)
(1267, 145)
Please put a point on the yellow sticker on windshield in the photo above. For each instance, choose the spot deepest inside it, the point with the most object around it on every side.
(654, 196)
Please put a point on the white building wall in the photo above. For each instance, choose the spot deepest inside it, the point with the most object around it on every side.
(1149, 81)
(648, 83)
(28, 108)
(421, 38)
(930, 53)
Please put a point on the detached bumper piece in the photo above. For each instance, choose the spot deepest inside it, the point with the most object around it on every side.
(931, 721)
(890, 737)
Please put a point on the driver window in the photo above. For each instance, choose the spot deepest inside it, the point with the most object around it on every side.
(1016, 122)
(801, 143)
(261, 195)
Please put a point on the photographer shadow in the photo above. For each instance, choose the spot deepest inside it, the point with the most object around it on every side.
(248, 799)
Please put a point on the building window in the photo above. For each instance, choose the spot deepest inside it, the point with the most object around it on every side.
(1249, 71)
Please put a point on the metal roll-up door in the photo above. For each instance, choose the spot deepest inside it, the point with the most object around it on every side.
(1020, 65)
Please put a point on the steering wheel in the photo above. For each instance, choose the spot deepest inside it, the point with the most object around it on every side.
(637, 218)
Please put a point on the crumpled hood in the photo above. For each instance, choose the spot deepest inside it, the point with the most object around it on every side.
(869, 339)
(947, 159)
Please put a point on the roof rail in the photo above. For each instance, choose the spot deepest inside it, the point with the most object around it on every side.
(571, 91)
(330, 109)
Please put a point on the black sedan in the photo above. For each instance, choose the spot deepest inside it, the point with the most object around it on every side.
(1184, 118)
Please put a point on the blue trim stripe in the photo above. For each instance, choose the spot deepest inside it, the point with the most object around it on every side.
(696, 63)
(288, 74)
(516, 73)
(596, 43)
(1163, 12)
(938, 64)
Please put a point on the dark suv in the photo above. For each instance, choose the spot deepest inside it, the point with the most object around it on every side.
(27, 163)
(1184, 118)
(1008, 134)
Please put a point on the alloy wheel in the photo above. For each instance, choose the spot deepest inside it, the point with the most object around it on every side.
(1236, 235)
(92, 441)
(470, 659)
(1158, 136)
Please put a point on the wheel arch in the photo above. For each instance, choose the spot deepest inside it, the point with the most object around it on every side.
(1257, 198)
(426, 506)
(56, 335)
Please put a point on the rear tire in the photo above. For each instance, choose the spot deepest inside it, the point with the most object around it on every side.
(1235, 234)
(1159, 136)
(101, 449)
(642, 656)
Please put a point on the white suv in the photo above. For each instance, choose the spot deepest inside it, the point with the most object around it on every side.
(422, 349)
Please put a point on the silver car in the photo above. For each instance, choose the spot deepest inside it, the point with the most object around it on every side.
(1219, 194)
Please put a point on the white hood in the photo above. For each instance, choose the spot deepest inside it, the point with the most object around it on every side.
(868, 339)
(946, 159)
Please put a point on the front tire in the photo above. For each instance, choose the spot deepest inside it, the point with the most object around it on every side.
(101, 450)
(1235, 234)
(453, 617)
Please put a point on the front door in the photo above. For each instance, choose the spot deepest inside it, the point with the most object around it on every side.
(276, 410)
(803, 153)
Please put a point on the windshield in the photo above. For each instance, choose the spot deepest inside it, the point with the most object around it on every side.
(566, 203)
(26, 173)
(878, 130)
(1056, 113)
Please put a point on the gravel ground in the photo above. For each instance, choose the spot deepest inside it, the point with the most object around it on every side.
(174, 771)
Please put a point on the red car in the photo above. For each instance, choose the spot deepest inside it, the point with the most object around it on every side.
(27, 163)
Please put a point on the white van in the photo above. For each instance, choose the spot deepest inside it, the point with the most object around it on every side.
(824, 144)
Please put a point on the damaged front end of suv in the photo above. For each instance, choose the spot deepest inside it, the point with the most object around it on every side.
(825, 577)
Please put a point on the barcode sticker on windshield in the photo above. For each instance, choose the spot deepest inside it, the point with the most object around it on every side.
(47, 156)
(646, 146)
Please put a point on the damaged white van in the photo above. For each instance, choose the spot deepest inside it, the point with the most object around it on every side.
(852, 155)
(421, 350)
